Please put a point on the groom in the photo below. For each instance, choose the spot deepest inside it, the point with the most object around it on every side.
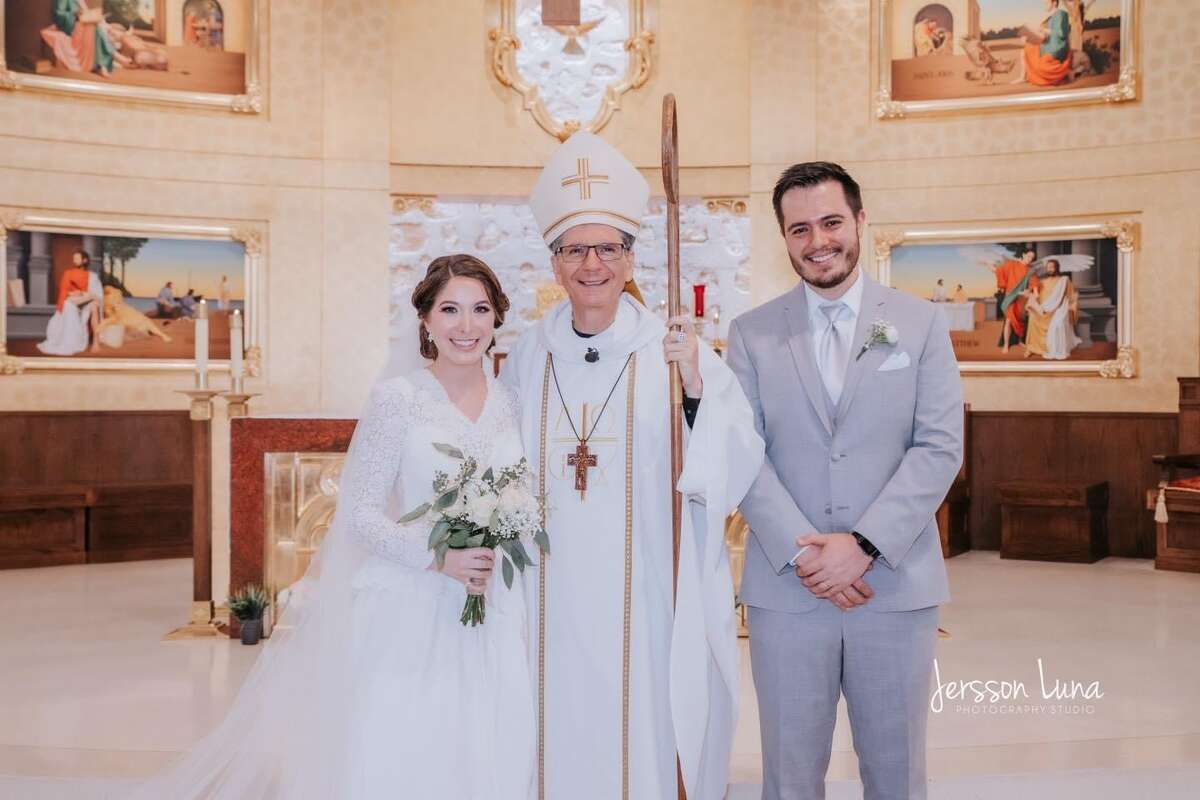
(856, 390)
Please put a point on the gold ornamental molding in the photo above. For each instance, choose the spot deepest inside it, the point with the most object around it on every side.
(8, 79)
(885, 241)
(251, 102)
(1124, 89)
(505, 43)
(886, 107)
(1123, 366)
(253, 361)
(8, 364)
(403, 203)
(250, 238)
(733, 205)
(1125, 231)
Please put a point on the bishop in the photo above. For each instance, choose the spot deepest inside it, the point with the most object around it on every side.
(620, 674)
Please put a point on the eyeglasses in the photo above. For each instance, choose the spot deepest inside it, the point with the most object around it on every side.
(577, 253)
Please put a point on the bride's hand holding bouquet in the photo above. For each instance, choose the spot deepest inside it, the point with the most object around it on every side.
(475, 516)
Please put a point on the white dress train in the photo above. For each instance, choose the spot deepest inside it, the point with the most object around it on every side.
(371, 687)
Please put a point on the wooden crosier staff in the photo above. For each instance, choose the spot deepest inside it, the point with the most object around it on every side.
(670, 170)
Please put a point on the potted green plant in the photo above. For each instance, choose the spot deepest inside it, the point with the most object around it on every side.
(248, 605)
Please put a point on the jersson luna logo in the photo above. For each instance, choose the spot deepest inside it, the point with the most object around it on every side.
(1004, 691)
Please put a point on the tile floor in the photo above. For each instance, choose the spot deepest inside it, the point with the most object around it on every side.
(90, 695)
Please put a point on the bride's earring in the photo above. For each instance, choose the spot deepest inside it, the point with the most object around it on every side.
(428, 337)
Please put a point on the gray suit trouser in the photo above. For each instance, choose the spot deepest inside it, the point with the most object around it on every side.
(881, 661)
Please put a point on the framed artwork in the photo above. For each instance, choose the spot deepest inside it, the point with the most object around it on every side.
(963, 55)
(1032, 299)
(98, 294)
(572, 77)
(191, 52)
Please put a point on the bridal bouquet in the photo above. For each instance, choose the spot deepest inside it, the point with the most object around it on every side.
(496, 510)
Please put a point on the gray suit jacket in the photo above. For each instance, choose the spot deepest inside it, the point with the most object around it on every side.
(880, 466)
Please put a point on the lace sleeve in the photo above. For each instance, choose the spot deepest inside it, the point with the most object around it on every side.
(380, 436)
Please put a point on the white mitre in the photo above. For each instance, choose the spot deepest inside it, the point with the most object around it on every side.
(588, 180)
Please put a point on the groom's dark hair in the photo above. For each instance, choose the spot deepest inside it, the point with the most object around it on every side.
(810, 174)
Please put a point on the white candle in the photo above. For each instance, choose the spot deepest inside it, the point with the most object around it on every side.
(202, 345)
(236, 367)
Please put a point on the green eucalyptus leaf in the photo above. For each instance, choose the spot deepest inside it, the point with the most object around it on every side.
(489, 475)
(449, 450)
(440, 531)
(458, 539)
(445, 501)
(415, 514)
(476, 540)
(542, 541)
(507, 569)
(439, 553)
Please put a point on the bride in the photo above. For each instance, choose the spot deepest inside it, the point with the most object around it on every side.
(370, 687)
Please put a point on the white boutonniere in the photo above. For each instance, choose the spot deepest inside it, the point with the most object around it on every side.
(882, 332)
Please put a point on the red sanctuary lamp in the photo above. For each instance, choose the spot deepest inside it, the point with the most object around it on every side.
(698, 297)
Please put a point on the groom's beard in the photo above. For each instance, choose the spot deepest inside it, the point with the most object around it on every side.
(849, 258)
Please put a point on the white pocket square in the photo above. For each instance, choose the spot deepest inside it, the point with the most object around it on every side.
(898, 360)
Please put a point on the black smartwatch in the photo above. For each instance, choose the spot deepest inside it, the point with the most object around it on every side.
(866, 545)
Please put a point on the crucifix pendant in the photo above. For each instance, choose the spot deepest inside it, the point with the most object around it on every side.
(581, 460)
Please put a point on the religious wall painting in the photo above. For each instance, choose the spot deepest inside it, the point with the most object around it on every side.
(1038, 299)
(191, 52)
(714, 246)
(956, 55)
(91, 294)
(571, 77)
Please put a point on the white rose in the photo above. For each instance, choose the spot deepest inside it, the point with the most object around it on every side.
(512, 499)
(480, 507)
(891, 334)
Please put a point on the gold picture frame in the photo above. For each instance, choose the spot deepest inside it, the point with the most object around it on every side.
(250, 101)
(1125, 231)
(504, 44)
(888, 107)
(251, 235)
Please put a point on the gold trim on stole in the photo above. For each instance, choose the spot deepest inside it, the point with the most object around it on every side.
(630, 395)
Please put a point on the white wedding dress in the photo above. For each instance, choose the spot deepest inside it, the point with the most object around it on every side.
(370, 687)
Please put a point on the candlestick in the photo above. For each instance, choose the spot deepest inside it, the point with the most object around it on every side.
(236, 366)
(698, 294)
(238, 403)
(201, 331)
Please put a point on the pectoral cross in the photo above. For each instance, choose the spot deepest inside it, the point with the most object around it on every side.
(581, 460)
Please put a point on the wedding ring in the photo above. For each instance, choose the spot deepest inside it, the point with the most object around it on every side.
(680, 337)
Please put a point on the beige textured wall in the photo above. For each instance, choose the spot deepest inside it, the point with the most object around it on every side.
(448, 110)
(313, 170)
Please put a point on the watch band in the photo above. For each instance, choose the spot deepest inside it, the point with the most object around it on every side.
(866, 545)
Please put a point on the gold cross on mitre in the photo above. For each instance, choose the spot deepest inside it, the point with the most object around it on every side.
(584, 179)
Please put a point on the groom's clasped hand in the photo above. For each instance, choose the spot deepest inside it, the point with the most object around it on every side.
(832, 566)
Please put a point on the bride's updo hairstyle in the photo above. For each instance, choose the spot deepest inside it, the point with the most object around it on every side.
(440, 271)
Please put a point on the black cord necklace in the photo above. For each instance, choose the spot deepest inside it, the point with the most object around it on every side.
(581, 459)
